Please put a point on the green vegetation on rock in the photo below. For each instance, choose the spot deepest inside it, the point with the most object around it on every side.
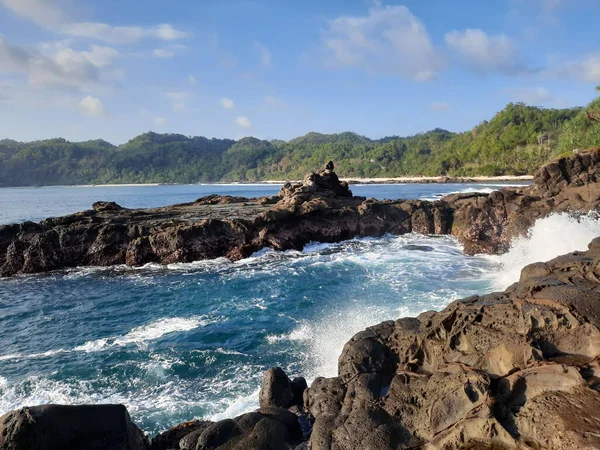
(516, 141)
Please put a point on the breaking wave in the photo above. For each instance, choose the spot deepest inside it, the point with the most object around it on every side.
(550, 237)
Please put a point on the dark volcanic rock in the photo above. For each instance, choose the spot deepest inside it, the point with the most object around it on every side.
(183, 436)
(276, 389)
(268, 428)
(106, 206)
(487, 223)
(511, 370)
(518, 369)
(59, 427)
(321, 209)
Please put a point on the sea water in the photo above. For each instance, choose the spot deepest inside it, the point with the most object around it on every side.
(192, 340)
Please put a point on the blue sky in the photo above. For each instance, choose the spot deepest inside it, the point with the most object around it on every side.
(272, 69)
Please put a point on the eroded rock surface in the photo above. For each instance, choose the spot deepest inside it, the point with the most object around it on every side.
(518, 369)
(321, 208)
(513, 370)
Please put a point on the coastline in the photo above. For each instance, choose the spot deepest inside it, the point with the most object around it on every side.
(388, 180)
(417, 180)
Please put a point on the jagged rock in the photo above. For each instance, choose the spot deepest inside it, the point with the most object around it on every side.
(214, 199)
(510, 370)
(324, 183)
(106, 206)
(60, 427)
(321, 209)
(299, 385)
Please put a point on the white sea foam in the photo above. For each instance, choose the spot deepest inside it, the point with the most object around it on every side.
(550, 237)
(141, 335)
(237, 405)
(47, 354)
(3, 382)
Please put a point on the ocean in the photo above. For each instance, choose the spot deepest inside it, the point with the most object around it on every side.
(188, 341)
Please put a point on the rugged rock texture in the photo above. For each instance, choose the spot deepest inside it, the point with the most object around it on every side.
(59, 427)
(512, 370)
(321, 208)
(517, 370)
(486, 223)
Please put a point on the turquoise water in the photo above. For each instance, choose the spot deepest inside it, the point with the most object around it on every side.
(192, 340)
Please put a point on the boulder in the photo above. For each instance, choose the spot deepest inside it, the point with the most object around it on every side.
(106, 206)
(269, 428)
(173, 437)
(61, 427)
(276, 389)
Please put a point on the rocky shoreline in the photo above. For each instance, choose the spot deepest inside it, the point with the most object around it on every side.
(518, 369)
(320, 209)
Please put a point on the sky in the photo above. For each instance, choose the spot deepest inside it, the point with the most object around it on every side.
(278, 69)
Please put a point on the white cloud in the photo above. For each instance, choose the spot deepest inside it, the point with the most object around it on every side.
(160, 121)
(64, 68)
(484, 53)
(440, 106)
(178, 98)
(586, 69)
(243, 121)
(48, 15)
(264, 54)
(41, 12)
(13, 58)
(192, 79)
(227, 103)
(163, 53)
(177, 95)
(275, 102)
(121, 34)
(92, 106)
(389, 40)
(532, 96)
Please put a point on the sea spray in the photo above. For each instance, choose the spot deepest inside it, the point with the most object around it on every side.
(550, 237)
(193, 340)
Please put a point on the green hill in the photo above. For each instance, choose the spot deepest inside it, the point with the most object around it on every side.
(516, 141)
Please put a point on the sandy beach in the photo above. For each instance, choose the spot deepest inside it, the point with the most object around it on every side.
(439, 179)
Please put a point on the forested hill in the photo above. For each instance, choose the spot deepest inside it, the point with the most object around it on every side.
(516, 141)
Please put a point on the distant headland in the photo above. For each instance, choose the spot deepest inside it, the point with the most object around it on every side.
(515, 142)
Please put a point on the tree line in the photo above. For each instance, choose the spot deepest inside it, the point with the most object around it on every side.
(516, 141)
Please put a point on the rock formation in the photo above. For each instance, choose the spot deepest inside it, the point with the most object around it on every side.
(60, 427)
(321, 208)
(517, 370)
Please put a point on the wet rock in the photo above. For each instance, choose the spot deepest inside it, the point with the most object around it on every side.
(60, 427)
(276, 389)
(321, 208)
